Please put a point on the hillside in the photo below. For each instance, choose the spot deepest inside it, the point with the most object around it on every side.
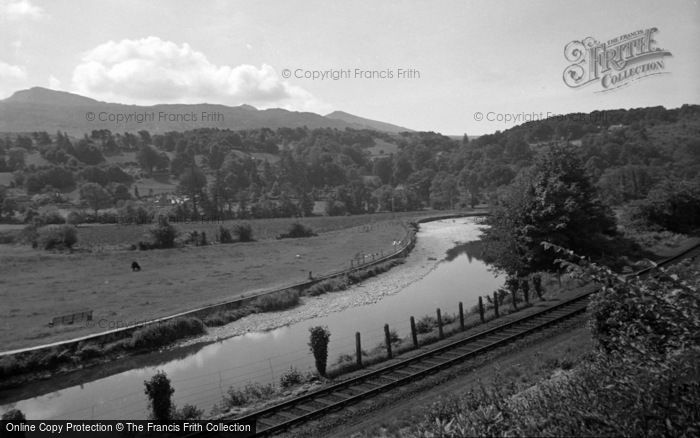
(41, 109)
(361, 122)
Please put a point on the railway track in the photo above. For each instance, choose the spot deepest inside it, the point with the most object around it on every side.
(332, 398)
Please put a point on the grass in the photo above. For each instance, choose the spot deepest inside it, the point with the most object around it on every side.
(342, 283)
(517, 369)
(143, 339)
(263, 229)
(36, 285)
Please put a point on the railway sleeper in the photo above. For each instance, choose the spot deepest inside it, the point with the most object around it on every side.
(286, 415)
(305, 408)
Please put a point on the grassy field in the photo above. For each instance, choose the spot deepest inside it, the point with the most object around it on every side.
(35, 285)
(96, 236)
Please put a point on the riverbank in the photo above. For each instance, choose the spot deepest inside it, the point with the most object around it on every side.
(424, 259)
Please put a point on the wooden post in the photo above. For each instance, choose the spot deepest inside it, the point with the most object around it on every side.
(387, 338)
(414, 333)
(358, 349)
(495, 304)
(461, 316)
(512, 294)
(439, 321)
(481, 310)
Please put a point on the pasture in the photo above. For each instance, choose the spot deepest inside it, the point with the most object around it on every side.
(36, 285)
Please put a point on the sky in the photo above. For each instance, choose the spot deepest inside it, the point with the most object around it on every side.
(447, 66)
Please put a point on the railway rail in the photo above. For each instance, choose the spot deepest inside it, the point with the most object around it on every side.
(332, 398)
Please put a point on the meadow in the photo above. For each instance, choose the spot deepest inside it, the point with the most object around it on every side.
(37, 285)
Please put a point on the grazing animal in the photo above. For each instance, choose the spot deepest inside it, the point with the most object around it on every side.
(135, 266)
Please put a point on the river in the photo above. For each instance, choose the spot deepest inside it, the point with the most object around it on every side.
(272, 342)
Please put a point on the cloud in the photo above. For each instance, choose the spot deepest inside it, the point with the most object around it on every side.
(150, 70)
(16, 10)
(54, 83)
(12, 77)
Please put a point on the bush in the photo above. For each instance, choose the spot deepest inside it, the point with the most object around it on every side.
(297, 230)
(160, 392)
(14, 415)
(276, 301)
(243, 232)
(291, 377)
(251, 393)
(75, 218)
(426, 324)
(89, 351)
(225, 235)
(51, 217)
(318, 342)
(58, 237)
(188, 413)
(159, 334)
(164, 233)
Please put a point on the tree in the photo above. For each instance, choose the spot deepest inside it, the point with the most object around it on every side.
(192, 182)
(149, 158)
(95, 196)
(319, 347)
(164, 233)
(160, 392)
(554, 202)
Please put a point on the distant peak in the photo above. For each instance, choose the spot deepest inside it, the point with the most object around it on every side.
(245, 106)
(48, 96)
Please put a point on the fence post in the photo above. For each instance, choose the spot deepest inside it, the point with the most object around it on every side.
(439, 321)
(461, 316)
(358, 349)
(387, 339)
(414, 333)
(481, 309)
(512, 294)
(495, 304)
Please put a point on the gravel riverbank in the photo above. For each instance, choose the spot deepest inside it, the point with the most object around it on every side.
(429, 251)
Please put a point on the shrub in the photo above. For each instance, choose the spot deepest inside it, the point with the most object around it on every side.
(58, 237)
(88, 351)
(297, 230)
(51, 217)
(74, 218)
(291, 377)
(188, 413)
(251, 393)
(425, 324)
(14, 415)
(159, 334)
(225, 235)
(159, 392)
(276, 301)
(318, 342)
(164, 233)
(243, 232)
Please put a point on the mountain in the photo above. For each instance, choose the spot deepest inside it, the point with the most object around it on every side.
(362, 122)
(41, 109)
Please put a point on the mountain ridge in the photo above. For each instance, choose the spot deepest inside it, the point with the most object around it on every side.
(43, 109)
